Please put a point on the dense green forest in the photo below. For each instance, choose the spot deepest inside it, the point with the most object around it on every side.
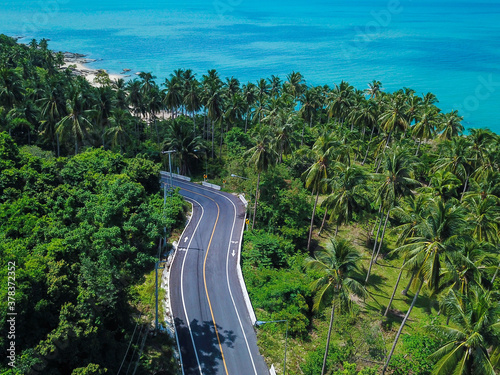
(373, 217)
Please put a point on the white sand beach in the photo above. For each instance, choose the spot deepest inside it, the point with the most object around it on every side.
(77, 63)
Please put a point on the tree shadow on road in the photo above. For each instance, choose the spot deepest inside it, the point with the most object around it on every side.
(207, 346)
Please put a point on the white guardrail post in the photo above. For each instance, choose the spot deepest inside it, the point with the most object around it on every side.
(244, 290)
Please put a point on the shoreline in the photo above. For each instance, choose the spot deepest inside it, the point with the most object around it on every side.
(78, 64)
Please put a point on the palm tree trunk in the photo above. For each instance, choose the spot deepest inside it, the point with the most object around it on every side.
(375, 225)
(58, 145)
(465, 185)
(395, 288)
(388, 139)
(156, 129)
(383, 151)
(194, 123)
(374, 247)
(359, 144)
(401, 328)
(221, 138)
(323, 222)
(312, 221)
(368, 146)
(212, 139)
(418, 147)
(383, 235)
(256, 200)
(328, 339)
(246, 121)
(205, 131)
(405, 290)
(379, 162)
(495, 275)
(337, 229)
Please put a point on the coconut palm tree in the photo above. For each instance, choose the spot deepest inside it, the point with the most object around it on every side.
(365, 114)
(262, 156)
(173, 94)
(449, 124)
(457, 158)
(466, 267)
(310, 100)
(187, 145)
(262, 91)
(104, 96)
(485, 185)
(397, 180)
(484, 145)
(337, 264)
(341, 100)
(444, 184)
(192, 99)
(249, 98)
(347, 194)
(120, 88)
(483, 216)
(154, 105)
(316, 175)
(275, 86)
(394, 115)
(134, 97)
(374, 89)
(118, 127)
(410, 212)
(11, 86)
(471, 344)
(295, 84)
(77, 119)
(437, 236)
(424, 127)
(232, 87)
(284, 135)
(52, 106)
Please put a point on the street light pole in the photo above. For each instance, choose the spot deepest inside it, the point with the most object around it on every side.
(262, 322)
(169, 152)
(234, 175)
(156, 292)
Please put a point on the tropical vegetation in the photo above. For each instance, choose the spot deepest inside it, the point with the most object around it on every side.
(374, 216)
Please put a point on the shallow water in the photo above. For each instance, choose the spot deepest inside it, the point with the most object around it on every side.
(449, 48)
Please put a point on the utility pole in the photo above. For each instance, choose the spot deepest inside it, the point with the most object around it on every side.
(169, 152)
(156, 291)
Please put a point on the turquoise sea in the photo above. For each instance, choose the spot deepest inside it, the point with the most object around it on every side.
(450, 48)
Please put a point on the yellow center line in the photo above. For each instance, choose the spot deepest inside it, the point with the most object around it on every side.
(205, 279)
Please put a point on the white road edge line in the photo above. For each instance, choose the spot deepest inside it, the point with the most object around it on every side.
(182, 282)
(227, 273)
(229, 285)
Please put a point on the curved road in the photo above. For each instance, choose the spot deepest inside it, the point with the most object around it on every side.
(214, 329)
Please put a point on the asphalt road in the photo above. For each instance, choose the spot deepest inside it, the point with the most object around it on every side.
(215, 332)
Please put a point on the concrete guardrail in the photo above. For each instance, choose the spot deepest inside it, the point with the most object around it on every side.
(212, 186)
(175, 175)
